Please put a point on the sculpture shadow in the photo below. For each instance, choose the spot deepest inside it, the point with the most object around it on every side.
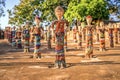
(115, 48)
(26, 63)
(93, 63)
(51, 64)
(102, 55)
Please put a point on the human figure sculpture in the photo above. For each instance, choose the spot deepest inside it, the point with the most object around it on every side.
(45, 32)
(75, 30)
(18, 38)
(110, 31)
(83, 24)
(116, 29)
(59, 34)
(89, 38)
(80, 37)
(97, 31)
(10, 35)
(102, 36)
(37, 37)
(118, 25)
(13, 37)
(32, 35)
(26, 33)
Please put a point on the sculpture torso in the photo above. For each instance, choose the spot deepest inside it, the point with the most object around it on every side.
(102, 33)
(59, 26)
(37, 31)
(26, 34)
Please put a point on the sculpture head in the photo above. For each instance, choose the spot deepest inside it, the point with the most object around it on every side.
(101, 24)
(13, 28)
(19, 29)
(27, 25)
(37, 20)
(110, 25)
(59, 11)
(89, 19)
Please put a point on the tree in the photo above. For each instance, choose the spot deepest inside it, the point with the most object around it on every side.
(2, 5)
(22, 12)
(114, 7)
(96, 8)
(27, 9)
(74, 9)
(47, 8)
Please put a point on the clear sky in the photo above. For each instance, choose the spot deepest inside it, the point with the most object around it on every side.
(9, 5)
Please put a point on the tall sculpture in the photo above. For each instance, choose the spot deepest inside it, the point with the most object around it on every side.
(59, 34)
(116, 29)
(18, 38)
(80, 37)
(75, 30)
(26, 33)
(89, 38)
(102, 36)
(32, 35)
(110, 31)
(37, 37)
(13, 37)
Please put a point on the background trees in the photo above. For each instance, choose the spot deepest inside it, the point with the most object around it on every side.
(27, 9)
(74, 9)
(96, 8)
(114, 7)
(21, 12)
(2, 5)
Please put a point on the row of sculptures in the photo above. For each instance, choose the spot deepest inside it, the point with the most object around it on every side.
(57, 32)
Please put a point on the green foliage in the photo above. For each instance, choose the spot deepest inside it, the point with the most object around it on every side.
(96, 8)
(22, 12)
(2, 5)
(74, 9)
(27, 9)
(48, 7)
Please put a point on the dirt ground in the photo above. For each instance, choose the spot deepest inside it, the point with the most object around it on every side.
(16, 65)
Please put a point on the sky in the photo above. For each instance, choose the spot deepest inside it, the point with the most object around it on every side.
(9, 5)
